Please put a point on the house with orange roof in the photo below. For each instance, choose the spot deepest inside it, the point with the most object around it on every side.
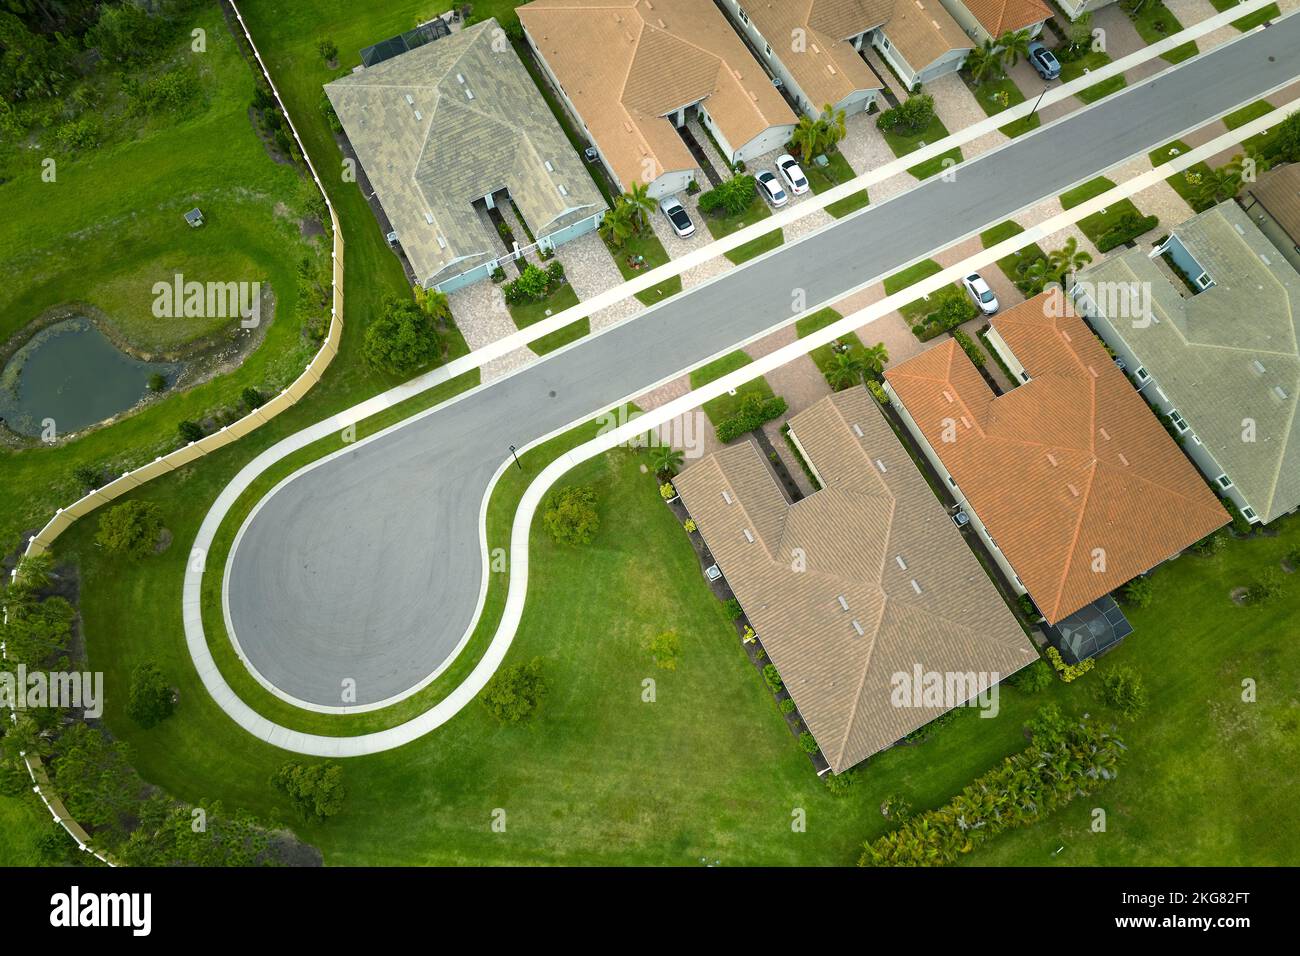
(1069, 479)
(814, 46)
(632, 71)
(989, 19)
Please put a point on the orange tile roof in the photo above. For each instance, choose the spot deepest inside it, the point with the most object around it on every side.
(1071, 473)
(999, 16)
(627, 64)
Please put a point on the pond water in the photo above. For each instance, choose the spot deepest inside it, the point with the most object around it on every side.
(70, 372)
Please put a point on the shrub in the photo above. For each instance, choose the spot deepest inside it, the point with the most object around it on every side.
(753, 412)
(1026, 605)
(1033, 678)
(773, 678)
(151, 698)
(877, 391)
(788, 705)
(731, 198)
(1266, 588)
(190, 431)
(667, 492)
(174, 92)
(533, 285)
(808, 743)
(911, 116)
(157, 382)
(968, 346)
(79, 134)
(251, 398)
(1211, 544)
(733, 609)
(1140, 592)
(896, 807)
(516, 692)
(87, 476)
(1122, 689)
(130, 529)
(664, 648)
(1069, 672)
(316, 790)
(1127, 227)
(690, 526)
(498, 274)
(328, 49)
(402, 339)
(840, 784)
(571, 516)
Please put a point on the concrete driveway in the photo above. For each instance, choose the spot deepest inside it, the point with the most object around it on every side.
(367, 567)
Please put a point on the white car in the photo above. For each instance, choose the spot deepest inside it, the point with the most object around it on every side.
(792, 174)
(770, 187)
(677, 217)
(979, 291)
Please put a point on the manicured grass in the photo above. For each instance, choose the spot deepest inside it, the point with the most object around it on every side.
(915, 312)
(849, 204)
(1250, 20)
(1012, 265)
(1251, 111)
(1156, 22)
(911, 275)
(1001, 93)
(756, 247)
(824, 355)
(1099, 223)
(720, 226)
(111, 225)
(1085, 191)
(836, 171)
(1092, 60)
(936, 164)
(23, 820)
(529, 313)
(904, 143)
(724, 406)
(1189, 189)
(646, 245)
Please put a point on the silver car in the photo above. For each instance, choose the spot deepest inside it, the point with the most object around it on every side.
(677, 217)
(979, 291)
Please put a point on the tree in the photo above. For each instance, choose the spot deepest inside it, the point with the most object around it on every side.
(34, 571)
(516, 692)
(732, 197)
(36, 632)
(875, 357)
(618, 224)
(1013, 45)
(151, 699)
(666, 461)
(402, 339)
(130, 529)
(1069, 258)
(571, 516)
(1078, 33)
(156, 382)
(315, 790)
(664, 648)
(845, 370)
(251, 398)
(1122, 689)
(87, 476)
(638, 200)
(1286, 140)
(1265, 589)
(984, 62)
(94, 776)
(1140, 592)
(814, 136)
(189, 431)
(910, 116)
(328, 49)
(433, 303)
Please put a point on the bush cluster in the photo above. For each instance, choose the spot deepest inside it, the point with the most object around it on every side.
(753, 412)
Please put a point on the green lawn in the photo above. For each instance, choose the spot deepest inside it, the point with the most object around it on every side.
(528, 313)
(911, 275)
(724, 406)
(721, 226)
(1001, 93)
(1099, 223)
(1092, 60)
(23, 820)
(903, 144)
(836, 171)
(1250, 20)
(756, 247)
(651, 252)
(1085, 191)
(849, 204)
(1012, 265)
(1251, 111)
(1186, 182)
(824, 355)
(111, 225)
(1156, 22)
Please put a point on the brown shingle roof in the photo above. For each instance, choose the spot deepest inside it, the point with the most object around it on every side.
(1278, 191)
(999, 16)
(627, 64)
(922, 31)
(874, 535)
(1071, 473)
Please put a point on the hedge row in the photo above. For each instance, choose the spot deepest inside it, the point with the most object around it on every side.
(754, 411)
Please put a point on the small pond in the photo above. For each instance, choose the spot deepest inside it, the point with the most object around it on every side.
(70, 372)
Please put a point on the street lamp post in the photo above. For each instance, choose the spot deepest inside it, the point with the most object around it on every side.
(1039, 100)
(516, 458)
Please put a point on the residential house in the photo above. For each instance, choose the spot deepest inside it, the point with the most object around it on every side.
(1069, 479)
(860, 591)
(633, 71)
(453, 128)
(814, 46)
(1206, 325)
(990, 19)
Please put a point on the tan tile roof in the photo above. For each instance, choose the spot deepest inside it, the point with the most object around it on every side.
(872, 531)
(430, 151)
(999, 16)
(1071, 473)
(923, 31)
(1278, 190)
(627, 64)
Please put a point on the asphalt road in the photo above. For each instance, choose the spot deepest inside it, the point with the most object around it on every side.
(368, 566)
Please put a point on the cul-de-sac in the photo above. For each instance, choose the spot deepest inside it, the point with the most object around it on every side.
(655, 433)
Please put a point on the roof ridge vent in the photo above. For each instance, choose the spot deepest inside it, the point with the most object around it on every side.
(901, 563)
(1122, 459)
(857, 429)
(844, 605)
(1052, 459)
(858, 627)
(1073, 488)
(1103, 433)
(749, 536)
(881, 465)
(726, 496)
(916, 587)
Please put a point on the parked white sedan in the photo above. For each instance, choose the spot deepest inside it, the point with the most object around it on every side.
(979, 291)
(792, 174)
(770, 187)
(677, 217)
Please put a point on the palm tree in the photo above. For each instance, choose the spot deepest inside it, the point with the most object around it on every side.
(984, 62)
(846, 370)
(833, 127)
(1069, 258)
(874, 358)
(1013, 45)
(618, 225)
(666, 461)
(1220, 185)
(638, 199)
(805, 138)
(1035, 276)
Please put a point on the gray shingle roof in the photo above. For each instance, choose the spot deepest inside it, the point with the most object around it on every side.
(448, 123)
(1227, 354)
